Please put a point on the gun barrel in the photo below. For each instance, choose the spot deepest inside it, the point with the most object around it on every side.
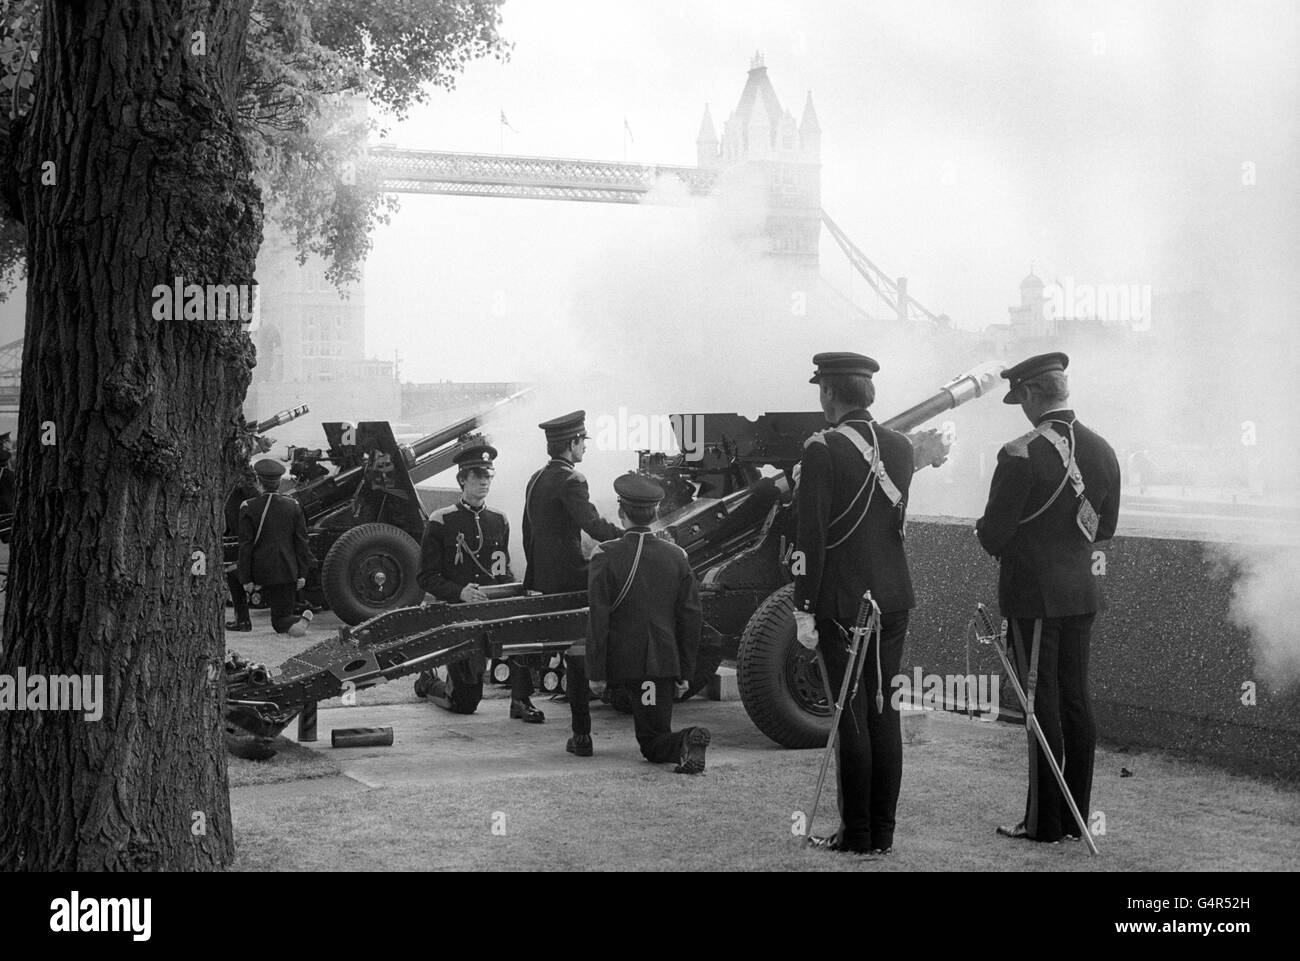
(275, 420)
(432, 442)
(976, 382)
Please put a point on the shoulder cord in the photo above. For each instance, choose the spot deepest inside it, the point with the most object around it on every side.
(867, 480)
(1059, 487)
(462, 544)
(871, 476)
(258, 536)
(636, 561)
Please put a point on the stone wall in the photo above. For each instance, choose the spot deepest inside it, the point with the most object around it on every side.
(1166, 665)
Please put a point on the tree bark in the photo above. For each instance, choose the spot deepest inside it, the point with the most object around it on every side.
(153, 183)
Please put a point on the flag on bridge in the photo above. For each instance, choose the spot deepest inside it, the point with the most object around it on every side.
(628, 130)
(506, 123)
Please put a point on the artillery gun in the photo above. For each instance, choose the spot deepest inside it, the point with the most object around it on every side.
(736, 527)
(364, 523)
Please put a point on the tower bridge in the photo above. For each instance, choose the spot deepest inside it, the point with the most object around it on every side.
(527, 178)
(760, 138)
(761, 144)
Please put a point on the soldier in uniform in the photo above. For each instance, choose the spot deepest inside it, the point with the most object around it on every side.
(850, 507)
(1055, 492)
(557, 509)
(644, 626)
(273, 549)
(244, 490)
(465, 545)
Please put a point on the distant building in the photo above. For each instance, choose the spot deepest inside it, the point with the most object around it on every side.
(1029, 320)
(311, 348)
(767, 153)
(1062, 314)
(311, 339)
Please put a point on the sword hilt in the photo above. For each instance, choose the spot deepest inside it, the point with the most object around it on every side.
(989, 633)
(865, 609)
(867, 621)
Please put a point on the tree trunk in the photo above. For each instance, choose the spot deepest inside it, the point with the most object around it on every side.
(152, 183)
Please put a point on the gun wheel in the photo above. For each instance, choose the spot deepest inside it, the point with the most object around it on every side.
(369, 570)
(780, 681)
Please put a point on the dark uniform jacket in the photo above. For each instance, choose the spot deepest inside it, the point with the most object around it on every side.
(557, 508)
(829, 502)
(655, 631)
(282, 554)
(244, 490)
(462, 546)
(1047, 562)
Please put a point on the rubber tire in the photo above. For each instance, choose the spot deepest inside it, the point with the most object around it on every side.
(354, 545)
(765, 648)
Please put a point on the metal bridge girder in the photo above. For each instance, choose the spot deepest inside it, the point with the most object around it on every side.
(550, 178)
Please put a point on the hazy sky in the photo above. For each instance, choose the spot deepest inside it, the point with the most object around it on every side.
(961, 142)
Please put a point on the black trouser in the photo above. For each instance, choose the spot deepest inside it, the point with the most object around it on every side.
(653, 722)
(870, 741)
(282, 599)
(521, 680)
(1064, 712)
(578, 692)
(237, 597)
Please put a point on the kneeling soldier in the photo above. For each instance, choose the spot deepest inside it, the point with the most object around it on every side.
(273, 549)
(466, 545)
(644, 626)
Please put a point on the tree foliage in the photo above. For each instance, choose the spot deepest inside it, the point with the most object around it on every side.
(305, 64)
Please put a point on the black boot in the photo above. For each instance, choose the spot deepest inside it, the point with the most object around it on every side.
(239, 625)
(694, 742)
(835, 842)
(580, 744)
(523, 710)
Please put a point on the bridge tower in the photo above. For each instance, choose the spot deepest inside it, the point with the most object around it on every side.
(772, 162)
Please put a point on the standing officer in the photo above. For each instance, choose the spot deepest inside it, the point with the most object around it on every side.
(644, 626)
(465, 545)
(1054, 492)
(244, 490)
(273, 549)
(557, 509)
(850, 507)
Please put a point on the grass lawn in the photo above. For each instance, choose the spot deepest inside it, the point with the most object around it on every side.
(451, 779)
(292, 762)
(965, 778)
